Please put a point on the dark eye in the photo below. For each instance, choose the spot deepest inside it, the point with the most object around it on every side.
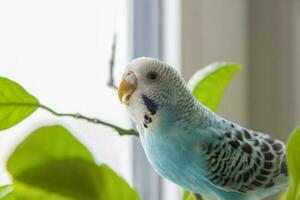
(152, 76)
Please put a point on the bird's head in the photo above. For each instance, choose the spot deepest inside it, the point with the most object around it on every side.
(149, 85)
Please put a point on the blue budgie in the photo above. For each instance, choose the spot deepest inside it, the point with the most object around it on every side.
(193, 147)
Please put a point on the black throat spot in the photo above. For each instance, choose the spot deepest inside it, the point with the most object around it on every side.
(151, 105)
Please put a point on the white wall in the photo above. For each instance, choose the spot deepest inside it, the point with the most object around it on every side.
(296, 60)
(274, 59)
(216, 30)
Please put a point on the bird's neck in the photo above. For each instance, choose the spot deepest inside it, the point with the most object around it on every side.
(190, 111)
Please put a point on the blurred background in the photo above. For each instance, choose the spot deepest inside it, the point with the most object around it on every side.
(59, 51)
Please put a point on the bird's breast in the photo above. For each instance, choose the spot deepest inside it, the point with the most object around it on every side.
(175, 156)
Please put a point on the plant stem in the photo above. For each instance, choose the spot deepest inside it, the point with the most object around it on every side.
(198, 196)
(111, 81)
(120, 130)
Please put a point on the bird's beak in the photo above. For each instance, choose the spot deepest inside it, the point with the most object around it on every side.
(127, 87)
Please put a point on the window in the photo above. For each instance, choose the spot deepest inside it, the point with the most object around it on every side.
(59, 51)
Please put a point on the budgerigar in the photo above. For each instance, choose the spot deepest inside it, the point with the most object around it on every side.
(193, 147)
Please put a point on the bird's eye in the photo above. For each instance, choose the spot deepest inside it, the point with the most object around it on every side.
(152, 76)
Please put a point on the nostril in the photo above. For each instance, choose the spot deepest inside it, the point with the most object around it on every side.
(130, 77)
(127, 74)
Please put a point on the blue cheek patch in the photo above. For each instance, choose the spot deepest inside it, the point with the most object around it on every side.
(151, 105)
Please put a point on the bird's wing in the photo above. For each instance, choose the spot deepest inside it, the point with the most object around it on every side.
(243, 161)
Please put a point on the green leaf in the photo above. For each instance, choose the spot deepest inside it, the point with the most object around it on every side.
(208, 84)
(292, 153)
(283, 196)
(6, 192)
(44, 145)
(15, 103)
(52, 164)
